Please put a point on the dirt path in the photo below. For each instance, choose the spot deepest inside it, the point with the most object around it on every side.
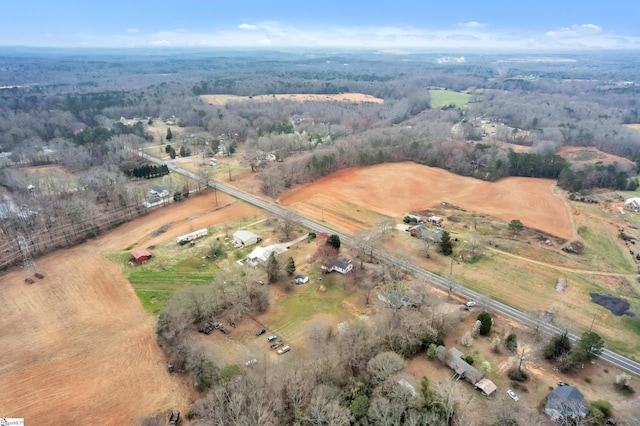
(563, 268)
(77, 346)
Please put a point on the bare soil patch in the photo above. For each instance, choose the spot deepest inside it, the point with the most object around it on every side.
(591, 155)
(78, 348)
(295, 97)
(394, 189)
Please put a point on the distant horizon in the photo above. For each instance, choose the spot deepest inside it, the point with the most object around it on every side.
(544, 25)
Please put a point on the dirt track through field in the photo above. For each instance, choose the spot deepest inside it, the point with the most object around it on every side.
(395, 189)
(77, 346)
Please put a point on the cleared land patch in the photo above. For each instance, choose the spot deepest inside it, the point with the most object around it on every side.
(591, 155)
(295, 97)
(78, 347)
(394, 189)
(443, 97)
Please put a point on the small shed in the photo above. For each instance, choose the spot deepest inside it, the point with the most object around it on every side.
(140, 255)
(632, 204)
(435, 220)
(418, 219)
(486, 386)
(245, 238)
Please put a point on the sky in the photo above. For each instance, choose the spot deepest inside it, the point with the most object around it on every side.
(400, 24)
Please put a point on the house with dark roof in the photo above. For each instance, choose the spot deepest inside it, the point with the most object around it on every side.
(565, 402)
(424, 233)
(454, 359)
(158, 191)
(340, 265)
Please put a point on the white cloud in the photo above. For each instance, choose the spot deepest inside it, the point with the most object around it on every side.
(133, 30)
(472, 24)
(592, 27)
(575, 31)
(246, 26)
(471, 35)
(159, 43)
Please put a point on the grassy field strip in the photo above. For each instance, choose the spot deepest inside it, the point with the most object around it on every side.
(601, 238)
(440, 98)
(502, 277)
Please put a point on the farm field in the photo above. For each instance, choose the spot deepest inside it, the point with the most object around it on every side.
(78, 347)
(441, 97)
(591, 155)
(295, 97)
(395, 189)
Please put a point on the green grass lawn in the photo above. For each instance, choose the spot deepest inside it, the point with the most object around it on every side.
(440, 98)
(603, 249)
(305, 301)
(154, 288)
(171, 268)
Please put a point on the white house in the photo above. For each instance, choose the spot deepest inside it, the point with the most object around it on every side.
(341, 265)
(435, 220)
(632, 204)
(245, 238)
(416, 218)
(159, 191)
(259, 255)
(191, 236)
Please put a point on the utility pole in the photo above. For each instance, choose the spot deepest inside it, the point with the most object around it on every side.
(593, 320)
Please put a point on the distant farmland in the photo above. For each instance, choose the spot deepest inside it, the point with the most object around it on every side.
(443, 97)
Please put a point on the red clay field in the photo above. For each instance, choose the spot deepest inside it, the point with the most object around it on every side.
(77, 346)
(395, 189)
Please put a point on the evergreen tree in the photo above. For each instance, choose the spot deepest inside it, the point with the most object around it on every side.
(516, 226)
(446, 246)
(334, 241)
(273, 268)
(169, 134)
(291, 266)
(485, 321)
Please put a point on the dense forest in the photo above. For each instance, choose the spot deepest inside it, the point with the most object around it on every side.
(68, 108)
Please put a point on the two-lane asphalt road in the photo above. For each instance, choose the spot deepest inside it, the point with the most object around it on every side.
(446, 284)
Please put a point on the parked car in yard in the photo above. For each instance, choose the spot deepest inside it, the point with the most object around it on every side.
(276, 345)
(261, 332)
(284, 350)
(272, 338)
(513, 395)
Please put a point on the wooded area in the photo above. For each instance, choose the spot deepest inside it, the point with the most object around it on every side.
(79, 112)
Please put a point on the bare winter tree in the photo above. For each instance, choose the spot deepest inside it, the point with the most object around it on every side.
(324, 408)
(287, 222)
(384, 365)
